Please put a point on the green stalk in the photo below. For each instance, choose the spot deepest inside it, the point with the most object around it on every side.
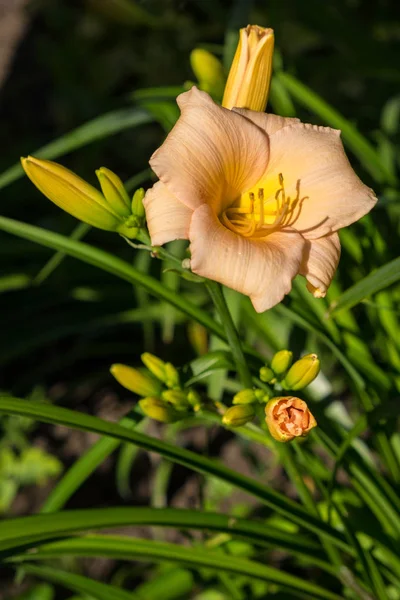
(217, 296)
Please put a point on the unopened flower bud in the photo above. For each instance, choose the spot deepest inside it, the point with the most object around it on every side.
(155, 365)
(250, 74)
(281, 362)
(245, 397)
(209, 72)
(194, 400)
(303, 372)
(159, 410)
(261, 395)
(78, 198)
(171, 376)
(114, 191)
(236, 416)
(176, 397)
(266, 374)
(288, 417)
(137, 203)
(135, 381)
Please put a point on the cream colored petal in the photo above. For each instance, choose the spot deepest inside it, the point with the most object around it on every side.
(262, 270)
(167, 218)
(267, 121)
(334, 196)
(211, 155)
(320, 261)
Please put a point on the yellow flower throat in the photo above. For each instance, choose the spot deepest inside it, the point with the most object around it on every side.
(257, 216)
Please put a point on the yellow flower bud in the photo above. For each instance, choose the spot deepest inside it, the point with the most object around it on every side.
(114, 191)
(209, 72)
(302, 373)
(71, 193)
(177, 398)
(171, 376)
(78, 198)
(245, 397)
(250, 74)
(288, 417)
(281, 362)
(194, 400)
(236, 416)
(266, 374)
(137, 203)
(135, 381)
(155, 365)
(158, 410)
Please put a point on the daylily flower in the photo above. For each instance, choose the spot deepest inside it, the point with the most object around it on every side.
(260, 197)
(288, 417)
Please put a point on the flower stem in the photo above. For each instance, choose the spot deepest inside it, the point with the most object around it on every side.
(217, 296)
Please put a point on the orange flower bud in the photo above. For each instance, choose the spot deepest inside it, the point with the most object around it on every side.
(288, 417)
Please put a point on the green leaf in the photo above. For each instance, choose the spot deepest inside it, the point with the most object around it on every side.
(111, 264)
(138, 549)
(197, 462)
(34, 529)
(97, 129)
(371, 284)
(79, 583)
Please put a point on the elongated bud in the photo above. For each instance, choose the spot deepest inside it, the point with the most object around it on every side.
(209, 72)
(78, 198)
(245, 397)
(266, 374)
(236, 416)
(159, 411)
(250, 74)
(71, 193)
(177, 398)
(302, 373)
(135, 381)
(155, 365)
(137, 203)
(114, 191)
(171, 376)
(288, 417)
(281, 362)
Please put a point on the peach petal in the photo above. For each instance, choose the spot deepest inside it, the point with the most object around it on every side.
(262, 269)
(269, 122)
(335, 196)
(320, 261)
(211, 155)
(167, 218)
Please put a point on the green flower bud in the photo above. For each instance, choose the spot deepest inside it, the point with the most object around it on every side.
(281, 362)
(159, 411)
(194, 400)
(245, 397)
(266, 374)
(177, 398)
(171, 376)
(137, 203)
(261, 395)
(236, 416)
(135, 381)
(155, 365)
(302, 373)
(209, 72)
(114, 191)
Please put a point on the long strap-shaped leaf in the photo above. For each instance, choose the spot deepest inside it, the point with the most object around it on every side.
(111, 264)
(80, 584)
(62, 416)
(34, 529)
(137, 549)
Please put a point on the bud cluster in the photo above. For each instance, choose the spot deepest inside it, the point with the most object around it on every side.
(290, 376)
(111, 209)
(163, 398)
